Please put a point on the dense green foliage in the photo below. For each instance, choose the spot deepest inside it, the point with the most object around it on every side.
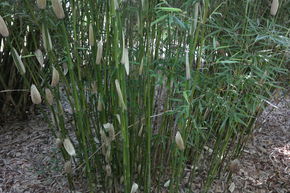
(203, 68)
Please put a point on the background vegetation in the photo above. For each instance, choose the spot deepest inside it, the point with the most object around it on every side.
(154, 86)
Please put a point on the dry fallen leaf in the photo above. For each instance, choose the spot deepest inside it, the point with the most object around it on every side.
(232, 187)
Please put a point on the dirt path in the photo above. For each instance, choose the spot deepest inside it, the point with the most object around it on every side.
(29, 161)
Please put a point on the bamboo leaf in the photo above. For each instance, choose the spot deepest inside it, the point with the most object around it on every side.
(180, 23)
(169, 9)
(159, 20)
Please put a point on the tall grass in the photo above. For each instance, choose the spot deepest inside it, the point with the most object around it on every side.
(143, 76)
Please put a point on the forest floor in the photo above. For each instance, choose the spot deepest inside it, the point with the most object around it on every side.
(30, 161)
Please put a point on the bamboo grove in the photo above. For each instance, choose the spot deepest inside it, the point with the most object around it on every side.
(155, 87)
